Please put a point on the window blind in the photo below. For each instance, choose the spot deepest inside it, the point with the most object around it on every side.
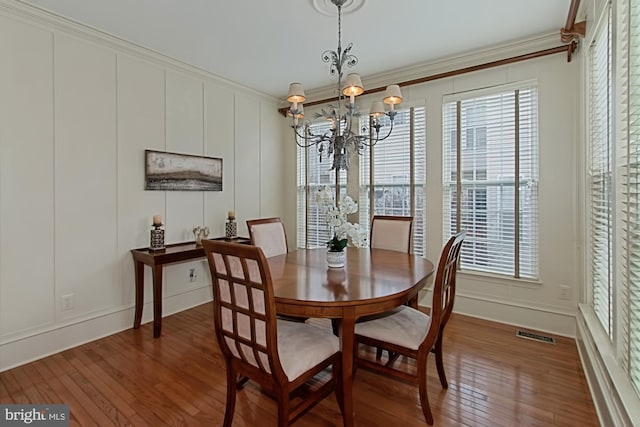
(392, 173)
(490, 166)
(630, 191)
(600, 174)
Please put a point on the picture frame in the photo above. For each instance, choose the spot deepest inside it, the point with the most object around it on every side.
(181, 172)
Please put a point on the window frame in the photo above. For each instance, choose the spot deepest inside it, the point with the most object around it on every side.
(453, 186)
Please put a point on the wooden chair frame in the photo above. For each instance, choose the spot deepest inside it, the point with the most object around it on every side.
(266, 371)
(442, 305)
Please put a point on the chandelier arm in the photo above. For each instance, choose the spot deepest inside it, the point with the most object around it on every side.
(386, 136)
(312, 138)
(374, 141)
(298, 136)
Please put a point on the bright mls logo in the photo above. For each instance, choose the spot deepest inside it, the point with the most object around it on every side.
(36, 415)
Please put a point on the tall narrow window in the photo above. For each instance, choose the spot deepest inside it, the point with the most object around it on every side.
(392, 174)
(629, 192)
(313, 172)
(600, 166)
(490, 166)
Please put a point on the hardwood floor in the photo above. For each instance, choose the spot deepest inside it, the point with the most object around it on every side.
(495, 379)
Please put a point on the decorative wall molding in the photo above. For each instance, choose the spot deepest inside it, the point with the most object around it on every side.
(443, 65)
(34, 15)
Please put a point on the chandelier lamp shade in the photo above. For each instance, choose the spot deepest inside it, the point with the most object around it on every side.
(345, 135)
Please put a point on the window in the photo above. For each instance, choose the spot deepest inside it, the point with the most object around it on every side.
(313, 172)
(599, 178)
(397, 172)
(628, 174)
(633, 191)
(490, 167)
(392, 174)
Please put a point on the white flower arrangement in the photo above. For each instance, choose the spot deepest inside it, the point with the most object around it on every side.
(336, 219)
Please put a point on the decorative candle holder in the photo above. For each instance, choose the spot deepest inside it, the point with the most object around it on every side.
(231, 227)
(200, 233)
(157, 238)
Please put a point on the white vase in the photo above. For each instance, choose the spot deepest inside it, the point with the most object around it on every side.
(336, 259)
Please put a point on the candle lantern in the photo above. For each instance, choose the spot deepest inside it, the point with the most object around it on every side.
(231, 227)
(156, 241)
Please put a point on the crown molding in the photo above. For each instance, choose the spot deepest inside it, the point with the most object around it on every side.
(34, 15)
(443, 65)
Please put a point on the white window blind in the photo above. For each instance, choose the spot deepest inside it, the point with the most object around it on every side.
(313, 172)
(392, 174)
(630, 192)
(600, 174)
(490, 166)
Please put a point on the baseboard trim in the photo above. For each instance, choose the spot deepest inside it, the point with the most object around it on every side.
(45, 343)
(543, 319)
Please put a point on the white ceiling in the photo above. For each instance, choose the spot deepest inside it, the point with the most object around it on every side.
(265, 45)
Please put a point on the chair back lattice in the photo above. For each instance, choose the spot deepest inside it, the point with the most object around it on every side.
(444, 286)
(244, 305)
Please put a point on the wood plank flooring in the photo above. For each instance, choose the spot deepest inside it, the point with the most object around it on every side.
(495, 379)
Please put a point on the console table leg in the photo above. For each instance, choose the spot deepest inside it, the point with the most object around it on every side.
(157, 300)
(139, 274)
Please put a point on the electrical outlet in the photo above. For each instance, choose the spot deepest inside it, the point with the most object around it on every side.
(193, 274)
(67, 302)
(565, 292)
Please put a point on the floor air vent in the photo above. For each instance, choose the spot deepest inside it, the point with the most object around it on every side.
(535, 337)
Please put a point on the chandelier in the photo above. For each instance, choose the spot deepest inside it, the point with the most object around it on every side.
(344, 135)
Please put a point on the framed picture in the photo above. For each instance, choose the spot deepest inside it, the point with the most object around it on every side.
(181, 172)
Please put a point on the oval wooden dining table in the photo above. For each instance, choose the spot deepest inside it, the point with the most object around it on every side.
(372, 281)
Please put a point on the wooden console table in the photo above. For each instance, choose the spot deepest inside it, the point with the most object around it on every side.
(177, 252)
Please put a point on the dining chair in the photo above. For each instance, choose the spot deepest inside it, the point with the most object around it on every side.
(409, 332)
(268, 234)
(391, 232)
(279, 355)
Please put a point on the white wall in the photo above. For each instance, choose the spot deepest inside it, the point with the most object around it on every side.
(538, 304)
(77, 110)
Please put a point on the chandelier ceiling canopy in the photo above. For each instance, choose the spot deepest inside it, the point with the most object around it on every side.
(344, 136)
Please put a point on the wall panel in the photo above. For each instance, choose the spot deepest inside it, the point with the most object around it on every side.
(85, 175)
(272, 145)
(218, 135)
(184, 135)
(140, 126)
(247, 158)
(185, 209)
(26, 157)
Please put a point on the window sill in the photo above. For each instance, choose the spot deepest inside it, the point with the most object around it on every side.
(497, 278)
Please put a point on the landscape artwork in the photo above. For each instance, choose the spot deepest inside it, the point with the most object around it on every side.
(182, 172)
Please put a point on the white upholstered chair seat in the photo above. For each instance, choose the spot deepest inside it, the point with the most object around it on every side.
(402, 326)
(302, 346)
